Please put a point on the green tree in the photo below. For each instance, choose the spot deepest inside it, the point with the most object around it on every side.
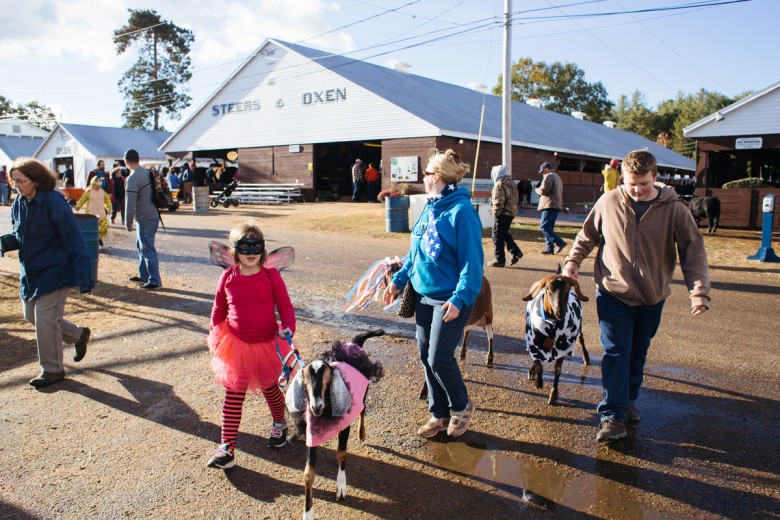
(33, 112)
(685, 110)
(633, 115)
(157, 81)
(560, 87)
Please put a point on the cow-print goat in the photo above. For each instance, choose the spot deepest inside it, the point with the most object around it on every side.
(325, 398)
(553, 324)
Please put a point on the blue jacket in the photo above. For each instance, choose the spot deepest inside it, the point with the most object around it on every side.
(52, 251)
(456, 274)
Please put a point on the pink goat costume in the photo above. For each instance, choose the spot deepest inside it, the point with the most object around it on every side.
(322, 429)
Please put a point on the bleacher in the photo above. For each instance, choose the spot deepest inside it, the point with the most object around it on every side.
(266, 193)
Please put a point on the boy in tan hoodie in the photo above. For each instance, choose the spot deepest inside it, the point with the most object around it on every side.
(639, 229)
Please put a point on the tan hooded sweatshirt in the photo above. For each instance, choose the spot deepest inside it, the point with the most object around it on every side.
(635, 261)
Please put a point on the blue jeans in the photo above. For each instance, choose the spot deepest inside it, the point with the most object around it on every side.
(626, 332)
(148, 268)
(357, 190)
(547, 225)
(437, 342)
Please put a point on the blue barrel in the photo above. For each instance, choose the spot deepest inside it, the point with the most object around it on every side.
(397, 209)
(88, 224)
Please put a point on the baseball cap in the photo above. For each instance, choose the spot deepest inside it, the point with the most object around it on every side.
(358, 161)
(545, 165)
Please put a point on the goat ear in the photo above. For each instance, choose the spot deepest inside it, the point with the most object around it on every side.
(296, 394)
(534, 290)
(576, 286)
(340, 400)
(559, 269)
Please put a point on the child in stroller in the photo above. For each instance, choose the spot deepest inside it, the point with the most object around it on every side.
(224, 198)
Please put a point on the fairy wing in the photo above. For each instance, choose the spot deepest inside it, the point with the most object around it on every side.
(220, 255)
(281, 258)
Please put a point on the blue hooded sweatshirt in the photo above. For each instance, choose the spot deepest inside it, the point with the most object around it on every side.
(456, 274)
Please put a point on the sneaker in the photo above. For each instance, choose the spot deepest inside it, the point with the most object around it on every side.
(46, 379)
(81, 344)
(137, 279)
(432, 427)
(632, 414)
(278, 436)
(222, 457)
(611, 430)
(149, 286)
(516, 257)
(560, 248)
(495, 263)
(459, 421)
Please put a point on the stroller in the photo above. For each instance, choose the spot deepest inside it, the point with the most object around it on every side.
(224, 198)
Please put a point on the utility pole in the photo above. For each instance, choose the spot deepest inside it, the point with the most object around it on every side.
(506, 135)
(155, 90)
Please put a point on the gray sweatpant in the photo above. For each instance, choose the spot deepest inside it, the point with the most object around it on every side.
(46, 313)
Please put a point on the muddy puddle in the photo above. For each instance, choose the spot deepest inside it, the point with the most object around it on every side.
(539, 486)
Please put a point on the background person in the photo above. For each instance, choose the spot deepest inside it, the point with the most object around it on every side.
(358, 180)
(98, 203)
(504, 202)
(54, 259)
(117, 194)
(245, 339)
(550, 192)
(4, 187)
(610, 174)
(139, 207)
(99, 172)
(372, 183)
(444, 266)
(633, 271)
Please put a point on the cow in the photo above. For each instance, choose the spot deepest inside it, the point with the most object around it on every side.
(706, 207)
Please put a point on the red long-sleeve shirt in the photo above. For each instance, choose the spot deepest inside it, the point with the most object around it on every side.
(248, 302)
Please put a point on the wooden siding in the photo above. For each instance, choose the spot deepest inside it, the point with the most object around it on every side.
(277, 165)
(741, 208)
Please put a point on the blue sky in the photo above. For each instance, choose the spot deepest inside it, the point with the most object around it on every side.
(54, 53)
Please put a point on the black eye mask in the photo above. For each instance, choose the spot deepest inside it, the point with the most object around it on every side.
(249, 246)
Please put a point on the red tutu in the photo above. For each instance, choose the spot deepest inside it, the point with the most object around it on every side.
(240, 366)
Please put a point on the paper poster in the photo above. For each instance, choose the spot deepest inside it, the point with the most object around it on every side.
(404, 169)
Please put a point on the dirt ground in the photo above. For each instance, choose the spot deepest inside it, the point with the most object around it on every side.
(125, 435)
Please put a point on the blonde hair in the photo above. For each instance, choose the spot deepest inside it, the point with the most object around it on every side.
(447, 165)
(639, 162)
(247, 229)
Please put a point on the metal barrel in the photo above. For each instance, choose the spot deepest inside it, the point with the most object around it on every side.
(397, 211)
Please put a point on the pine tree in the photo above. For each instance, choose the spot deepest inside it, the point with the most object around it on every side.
(156, 84)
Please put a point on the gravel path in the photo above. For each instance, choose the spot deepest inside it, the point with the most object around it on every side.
(126, 434)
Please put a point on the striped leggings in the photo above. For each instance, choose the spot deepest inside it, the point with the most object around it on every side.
(231, 411)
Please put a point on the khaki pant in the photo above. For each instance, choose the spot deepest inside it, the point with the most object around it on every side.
(46, 313)
(186, 190)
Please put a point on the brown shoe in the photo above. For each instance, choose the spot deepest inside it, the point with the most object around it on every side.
(459, 422)
(432, 427)
(547, 252)
(611, 430)
(632, 414)
(560, 248)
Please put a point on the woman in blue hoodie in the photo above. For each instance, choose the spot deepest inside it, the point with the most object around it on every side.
(444, 266)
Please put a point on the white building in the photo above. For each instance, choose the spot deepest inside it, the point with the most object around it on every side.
(18, 138)
(82, 146)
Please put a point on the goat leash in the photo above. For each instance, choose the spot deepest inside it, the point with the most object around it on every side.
(284, 378)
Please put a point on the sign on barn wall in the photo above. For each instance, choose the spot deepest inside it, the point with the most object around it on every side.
(404, 169)
(748, 143)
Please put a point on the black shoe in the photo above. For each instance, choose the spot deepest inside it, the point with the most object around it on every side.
(46, 379)
(81, 344)
(100, 242)
(560, 248)
(137, 279)
(495, 263)
(278, 436)
(149, 286)
(222, 458)
(516, 257)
